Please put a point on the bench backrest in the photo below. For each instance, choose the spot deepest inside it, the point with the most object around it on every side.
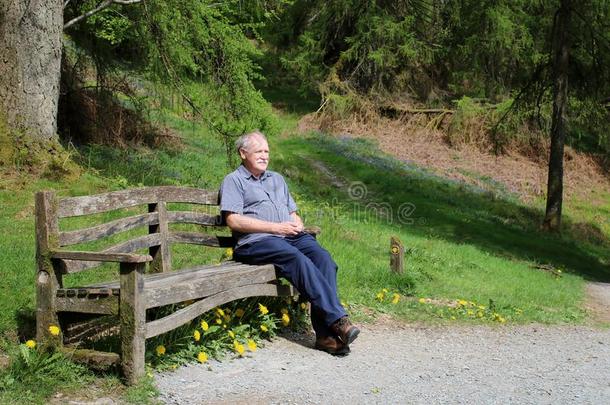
(50, 209)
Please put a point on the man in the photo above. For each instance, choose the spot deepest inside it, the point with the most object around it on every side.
(261, 213)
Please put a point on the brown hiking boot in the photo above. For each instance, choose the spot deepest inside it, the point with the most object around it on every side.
(332, 345)
(345, 330)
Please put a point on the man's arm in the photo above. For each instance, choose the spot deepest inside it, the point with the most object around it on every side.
(245, 224)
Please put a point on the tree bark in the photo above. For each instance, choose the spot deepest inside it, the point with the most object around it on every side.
(561, 60)
(30, 56)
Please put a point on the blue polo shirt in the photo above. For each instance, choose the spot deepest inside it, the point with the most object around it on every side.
(266, 198)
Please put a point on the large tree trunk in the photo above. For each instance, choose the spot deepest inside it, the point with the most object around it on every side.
(30, 55)
(561, 50)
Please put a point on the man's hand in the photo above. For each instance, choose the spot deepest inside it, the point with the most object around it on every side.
(287, 228)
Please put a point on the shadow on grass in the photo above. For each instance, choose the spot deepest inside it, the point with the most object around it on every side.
(419, 202)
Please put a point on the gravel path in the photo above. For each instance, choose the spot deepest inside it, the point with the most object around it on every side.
(411, 364)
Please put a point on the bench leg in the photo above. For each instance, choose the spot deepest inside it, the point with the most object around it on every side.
(133, 321)
(46, 286)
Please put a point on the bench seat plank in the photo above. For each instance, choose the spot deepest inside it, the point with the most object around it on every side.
(178, 286)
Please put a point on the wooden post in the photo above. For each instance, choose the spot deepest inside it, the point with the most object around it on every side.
(397, 255)
(132, 313)
(48, 280)
(161, 254)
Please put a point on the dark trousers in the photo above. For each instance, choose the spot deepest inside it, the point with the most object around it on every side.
(310, 269)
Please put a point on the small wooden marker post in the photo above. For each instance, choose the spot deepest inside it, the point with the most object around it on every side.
(397, 255)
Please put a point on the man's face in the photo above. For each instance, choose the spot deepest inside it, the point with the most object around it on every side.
(256, 157)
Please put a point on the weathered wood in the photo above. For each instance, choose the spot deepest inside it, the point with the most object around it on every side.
(153, 279)
(132, 314)
(397, 255)
(107, 229)
(163, 293)
(189, 313)
(100, 256)
(48, 280)
(198, 218)
(84, 205)
(197, 238)
(161, 253)
(108, 305)
(142, 242)
(89, 291)
(312, 230)
(91, 358)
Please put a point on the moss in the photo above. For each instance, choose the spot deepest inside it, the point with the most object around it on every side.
(46, 158)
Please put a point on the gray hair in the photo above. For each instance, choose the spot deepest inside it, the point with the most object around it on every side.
(243, 142)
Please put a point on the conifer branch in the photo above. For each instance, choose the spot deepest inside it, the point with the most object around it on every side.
(100, 7)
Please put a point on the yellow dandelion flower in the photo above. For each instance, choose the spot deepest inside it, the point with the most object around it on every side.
(218, 321)
(54, 330)
(263, 309)
(30, 344)
(481, 307)
(479, 314)
(251, 345)
(160, 350)
(196, 336)
(422, 300)
(453, 318)
(204, 326)
(224, 326)
(395, 298)
(385, 290)
(379, 297)
(285, 319)
(239, 312)
(220, 312)
(264, 328)
(462, 303)
(202, 357)
(239, 348)
(229, 252)
(231, 334)
(303, 306)
(470, 312)
(501, 320)
(343, 304)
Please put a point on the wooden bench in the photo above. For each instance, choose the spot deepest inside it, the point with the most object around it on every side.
(146, 278)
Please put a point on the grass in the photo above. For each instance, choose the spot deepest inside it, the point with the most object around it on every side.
(462, 243)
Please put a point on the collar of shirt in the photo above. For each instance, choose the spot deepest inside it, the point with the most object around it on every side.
(246, 173)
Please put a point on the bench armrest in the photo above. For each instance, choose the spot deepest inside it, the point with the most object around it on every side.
(312, 230)
(101, 257)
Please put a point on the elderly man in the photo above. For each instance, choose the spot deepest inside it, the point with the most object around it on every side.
(262, 215)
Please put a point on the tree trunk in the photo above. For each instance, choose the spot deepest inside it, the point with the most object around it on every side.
(561, 51)
(30, 55)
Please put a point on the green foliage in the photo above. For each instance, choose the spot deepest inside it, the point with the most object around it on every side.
(238, 327)
(33, 375)
(375, 46)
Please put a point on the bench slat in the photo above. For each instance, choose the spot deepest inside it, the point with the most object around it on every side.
(190, 217)
(164, 293)
(146, 241)
(153, 279)
(191, 312)
(197, 238)
(108, 305)
(107, 229)
(84, 205)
